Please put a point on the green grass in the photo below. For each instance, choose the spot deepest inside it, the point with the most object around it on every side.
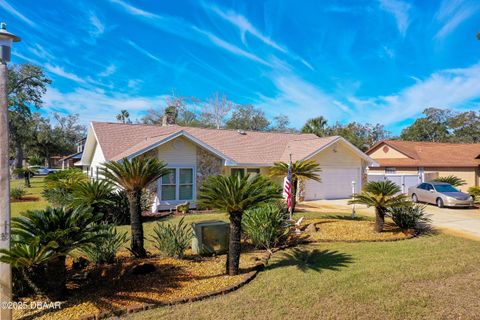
(431, 277)
(34, 191)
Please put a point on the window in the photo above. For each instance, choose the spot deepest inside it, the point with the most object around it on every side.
(238, 171)
(177, 184)
(428, 187)
(390, 170)
(253, 171)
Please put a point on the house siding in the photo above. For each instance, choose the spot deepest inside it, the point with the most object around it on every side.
(97, 160)
(179, 151)
(343, 157)
(391, 153)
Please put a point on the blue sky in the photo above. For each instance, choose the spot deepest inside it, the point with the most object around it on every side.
(368, 61)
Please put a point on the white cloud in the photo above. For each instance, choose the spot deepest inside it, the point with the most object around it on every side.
(133, 10)
(97, 26)
(452, 13)
(97, 105)
(400, 11)
(111, 69)
(7, 7)
(59, 71)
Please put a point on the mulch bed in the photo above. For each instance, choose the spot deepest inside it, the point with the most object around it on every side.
(113, 289)
(26, 199)
(338, 230)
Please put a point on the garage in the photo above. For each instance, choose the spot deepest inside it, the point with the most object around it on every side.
(336, 183)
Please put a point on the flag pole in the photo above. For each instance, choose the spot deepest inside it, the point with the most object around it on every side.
(291, 207)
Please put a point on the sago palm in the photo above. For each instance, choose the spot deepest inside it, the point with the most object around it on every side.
(26, 173)
(62, 231)
(453, 180)
(301, 170)
(382, 195)
(95, 194)
(133, 176)
(235, 194)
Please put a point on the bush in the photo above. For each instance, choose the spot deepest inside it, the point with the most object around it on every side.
(110, 242)
(475, 193)
(172, 240)
(118, 212)
(453, 180)
(17, 193)
(266, 226)
(59, 186)
(409, 216)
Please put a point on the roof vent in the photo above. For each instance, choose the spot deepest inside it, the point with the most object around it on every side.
(241, 132)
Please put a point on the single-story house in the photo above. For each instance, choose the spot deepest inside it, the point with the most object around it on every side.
(70, 160)
(428, 159)
(193, 154)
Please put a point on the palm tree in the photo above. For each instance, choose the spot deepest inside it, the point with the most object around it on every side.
(301, 170)
(133, 176)
(59, 230)
(235, 194)
(453, 180)
(123, 116)
(316, 126)
(26, 173)
(95, 194)
(382, 195)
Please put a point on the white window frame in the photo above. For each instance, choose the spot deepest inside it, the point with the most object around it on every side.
(177, 185)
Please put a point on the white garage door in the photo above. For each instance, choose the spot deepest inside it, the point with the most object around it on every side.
(336, 183)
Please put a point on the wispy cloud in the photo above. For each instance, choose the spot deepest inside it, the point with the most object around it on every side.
(400, 11)
(245, 26)
(109, 70)
(148, 53)
(59, 71)
(7, 7)
(452, 13)
(134, 10)
(97, 26)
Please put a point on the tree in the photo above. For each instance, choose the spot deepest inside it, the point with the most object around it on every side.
(26, 86)
(281, 123)
(382, 195)
(301, 170)
(433, 127)
(215, 110)
(363, 136)
(236, 194)
(247, 117)
(133, 176)
(124, 116)
(58, 229)
(316, 126)
(465, 127)
(26, 173)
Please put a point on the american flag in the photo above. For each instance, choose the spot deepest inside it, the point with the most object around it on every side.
(287, 188)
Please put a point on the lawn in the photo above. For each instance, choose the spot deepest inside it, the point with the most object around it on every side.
(431, 277)
(34, 191)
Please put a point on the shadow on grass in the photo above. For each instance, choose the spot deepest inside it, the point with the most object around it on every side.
(316, 260)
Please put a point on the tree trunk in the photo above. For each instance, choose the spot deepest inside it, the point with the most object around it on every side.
(18, 155)
(234, 245)
(379, 219)
(26, 274)
(137, 246)
(56, 278)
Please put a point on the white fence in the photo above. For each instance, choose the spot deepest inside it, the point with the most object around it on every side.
(404, 181)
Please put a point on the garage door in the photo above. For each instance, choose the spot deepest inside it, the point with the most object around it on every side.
(336, 184)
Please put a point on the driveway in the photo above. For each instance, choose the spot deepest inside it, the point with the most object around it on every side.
(463, 221)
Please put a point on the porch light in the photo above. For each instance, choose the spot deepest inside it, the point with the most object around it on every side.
(6, 39)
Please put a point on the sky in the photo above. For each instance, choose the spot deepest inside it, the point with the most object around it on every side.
(372, 61)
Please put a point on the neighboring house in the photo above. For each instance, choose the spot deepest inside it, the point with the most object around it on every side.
(428, 160)
(193, 154)
(70, 160)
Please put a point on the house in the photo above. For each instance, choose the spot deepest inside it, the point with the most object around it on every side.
(193, 154)
(428, 160)
(70, 160)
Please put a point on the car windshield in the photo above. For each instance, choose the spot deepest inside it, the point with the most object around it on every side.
(445, 188)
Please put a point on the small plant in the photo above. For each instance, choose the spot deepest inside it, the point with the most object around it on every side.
(17, 193)
(409, 216)
(475, 193)
(172, 240)
(266, 225)
(109, 243)
(59, 186)
(453, 180)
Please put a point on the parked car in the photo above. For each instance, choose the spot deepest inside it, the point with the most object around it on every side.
(43, 171)
(440, 193)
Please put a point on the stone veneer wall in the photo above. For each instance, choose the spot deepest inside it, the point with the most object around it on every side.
(207, 165)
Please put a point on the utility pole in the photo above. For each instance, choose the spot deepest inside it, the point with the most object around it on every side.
(6, 39)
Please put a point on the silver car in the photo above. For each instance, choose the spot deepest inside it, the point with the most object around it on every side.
(440, 193)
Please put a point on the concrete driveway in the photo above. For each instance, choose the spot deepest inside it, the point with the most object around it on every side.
(464, 222)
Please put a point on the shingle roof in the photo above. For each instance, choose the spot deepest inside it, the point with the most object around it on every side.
(430, 154)
(119, 140)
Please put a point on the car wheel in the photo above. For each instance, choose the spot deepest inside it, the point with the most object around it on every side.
(440, 203)
(414, 198)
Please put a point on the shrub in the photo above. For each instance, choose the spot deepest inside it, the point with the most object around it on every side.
(409, 216)
(59, 186)
(172, 240)
(118, 213)
(110, 242)
(17, 193)
(267, 225)
(453, 180)
(475, 192)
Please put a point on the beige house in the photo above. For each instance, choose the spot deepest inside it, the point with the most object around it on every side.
(193, 154)
(428, 159)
